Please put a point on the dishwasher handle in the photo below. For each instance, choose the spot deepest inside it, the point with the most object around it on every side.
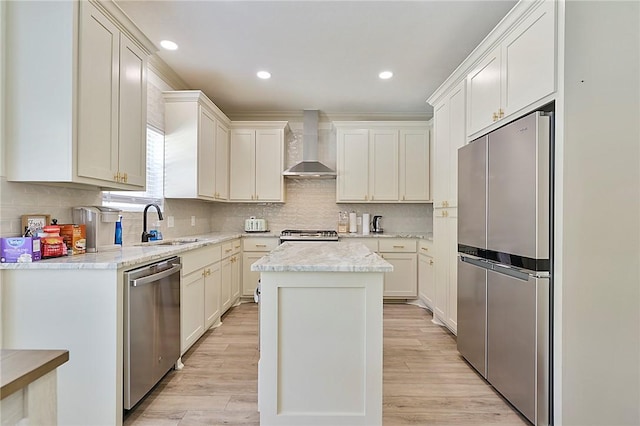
(155, 277)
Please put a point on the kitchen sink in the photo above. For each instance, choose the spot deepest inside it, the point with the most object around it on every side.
(176, 242)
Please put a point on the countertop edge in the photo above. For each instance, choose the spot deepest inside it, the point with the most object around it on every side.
(43, 362)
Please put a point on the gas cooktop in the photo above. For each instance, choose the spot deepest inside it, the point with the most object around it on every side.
(308, 235)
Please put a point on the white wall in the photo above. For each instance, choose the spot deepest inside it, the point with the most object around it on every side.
(599, 239)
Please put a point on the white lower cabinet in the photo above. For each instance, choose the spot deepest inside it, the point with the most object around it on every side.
(254, 249)
(426, 273)
(402, 283)
(200, 292)
(445, 235)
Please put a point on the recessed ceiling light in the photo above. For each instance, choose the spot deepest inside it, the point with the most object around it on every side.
(169, 45)
(264, 74)
(385, 75)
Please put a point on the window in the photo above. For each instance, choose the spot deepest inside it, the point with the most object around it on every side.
(136, 200)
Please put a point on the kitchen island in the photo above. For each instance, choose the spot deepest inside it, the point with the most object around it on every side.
(321, 335)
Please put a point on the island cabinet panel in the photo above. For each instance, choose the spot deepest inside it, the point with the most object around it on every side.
(316, 368)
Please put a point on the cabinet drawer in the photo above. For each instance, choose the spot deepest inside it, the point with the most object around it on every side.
(397, 245)
(199, 258)
(425, 247)
(260, 244)
(237, 246)
(227, 249)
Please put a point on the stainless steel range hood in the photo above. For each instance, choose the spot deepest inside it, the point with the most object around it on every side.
(310, 167)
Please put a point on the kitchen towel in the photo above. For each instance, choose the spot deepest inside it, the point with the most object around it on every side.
(366, 224)
(353, 224)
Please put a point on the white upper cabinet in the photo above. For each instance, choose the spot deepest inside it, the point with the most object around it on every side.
(516, 73)
(414, 165)
(196, 147)
(382, 162)
(256, 161)
(449, 135)
(89, 107)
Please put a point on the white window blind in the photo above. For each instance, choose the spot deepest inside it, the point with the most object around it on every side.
(136, 200)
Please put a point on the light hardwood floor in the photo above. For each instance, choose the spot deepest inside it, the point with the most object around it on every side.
(426, 381)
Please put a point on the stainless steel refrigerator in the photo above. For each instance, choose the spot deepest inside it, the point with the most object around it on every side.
(504, 263)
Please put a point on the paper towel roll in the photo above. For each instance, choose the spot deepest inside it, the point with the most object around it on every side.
(366, 224)
(353, 224)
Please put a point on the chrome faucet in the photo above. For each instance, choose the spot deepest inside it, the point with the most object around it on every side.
(145, 234)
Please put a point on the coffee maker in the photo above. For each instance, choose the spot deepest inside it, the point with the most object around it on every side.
(376, 226)
(100, 222)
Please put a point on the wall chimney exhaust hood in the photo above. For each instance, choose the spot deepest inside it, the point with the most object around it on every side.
(310, 167)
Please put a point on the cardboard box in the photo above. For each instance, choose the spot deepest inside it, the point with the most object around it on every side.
(75, 237)
(20, 249)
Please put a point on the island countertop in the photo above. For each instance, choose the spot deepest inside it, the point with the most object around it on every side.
(322, 257)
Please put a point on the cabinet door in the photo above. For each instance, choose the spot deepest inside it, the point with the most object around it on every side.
(441, 263)
(414, 165)
(426, 280)
(484, 96)
(269, 157)
(242, 165)
(212, 287)
(353, 165)
(383, 165)
(528, 60)
(206, 153)
(191, 309)
(457, 138)
(98, 95)
(236, 270)
(249, 277)
(132, 118)
(222, 162)
(441, 154)
(402, 283)
(452, 264)
(225, 294)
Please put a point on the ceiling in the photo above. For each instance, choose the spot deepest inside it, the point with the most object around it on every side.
(323, 55)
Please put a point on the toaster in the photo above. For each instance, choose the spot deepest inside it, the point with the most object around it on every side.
(255, 225)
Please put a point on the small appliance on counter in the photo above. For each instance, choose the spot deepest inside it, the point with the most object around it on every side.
(376, 225)
(255, 225)
(343, 222)
(100, 224)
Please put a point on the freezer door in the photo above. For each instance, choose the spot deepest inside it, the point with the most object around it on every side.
(517, 342)
(472, 314)
(518, 188)
(472, 190)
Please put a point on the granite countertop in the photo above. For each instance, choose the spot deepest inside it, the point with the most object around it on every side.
(418, 235)
(343, 256)
(137, 254)
(129, 255)
(22, 367)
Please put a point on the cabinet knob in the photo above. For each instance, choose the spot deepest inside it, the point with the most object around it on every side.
(424, 248)
(398, 247)
(261, 245)
(431, 262)
(116, 177)
(500, 113)
(228, 250)
(495, 116)
(403, 199)
(126, 178)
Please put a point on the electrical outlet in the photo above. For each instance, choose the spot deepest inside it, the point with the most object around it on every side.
(193, 221)
(170, 222)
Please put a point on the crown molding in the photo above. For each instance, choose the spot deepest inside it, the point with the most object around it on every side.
(165, 72)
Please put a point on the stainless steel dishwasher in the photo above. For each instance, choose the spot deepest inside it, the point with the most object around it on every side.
(151, 326)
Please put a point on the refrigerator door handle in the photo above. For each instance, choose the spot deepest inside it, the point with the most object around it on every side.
(475, 261)
(512, 272)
